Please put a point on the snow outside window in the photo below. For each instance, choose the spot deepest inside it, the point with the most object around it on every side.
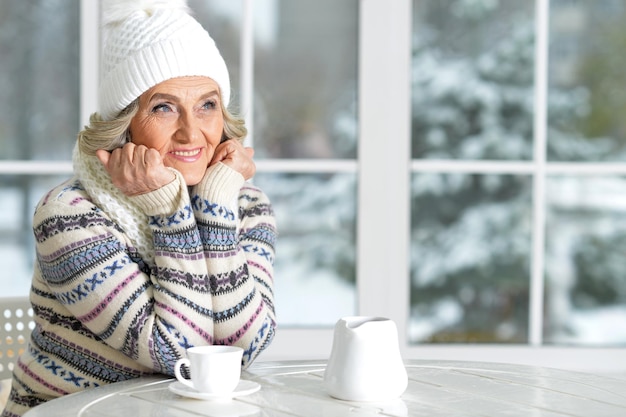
(455, 165)
(516, 205)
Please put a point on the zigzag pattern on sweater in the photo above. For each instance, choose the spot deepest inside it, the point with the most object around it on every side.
(257, 210)
(201, 310)
(234, 337)
(120, 313)
(234, 311)
(87, 362)
(30, 400)
(67, 322)
(185, 240)
(262, 233)
(43, 294)
(197, 282)
(131, 342)
(247, 195)
(217, 237)
(61, 267)
(263, 269)
(203, 333)
(60, 224)
(164, 356)
(227, 282)
(268, 294)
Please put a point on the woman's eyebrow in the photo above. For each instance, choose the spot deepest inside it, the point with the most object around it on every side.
(212, 93)
(163, 96)
(171, 97)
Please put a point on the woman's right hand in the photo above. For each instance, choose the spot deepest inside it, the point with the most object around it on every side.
(236, 156)
(135, 169)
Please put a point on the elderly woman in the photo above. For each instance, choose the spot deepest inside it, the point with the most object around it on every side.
(158, 243)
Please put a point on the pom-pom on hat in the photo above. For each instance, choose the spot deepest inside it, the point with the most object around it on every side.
(147, 42)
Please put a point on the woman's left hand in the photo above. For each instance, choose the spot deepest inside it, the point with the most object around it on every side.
(236, 156)
(135, 169)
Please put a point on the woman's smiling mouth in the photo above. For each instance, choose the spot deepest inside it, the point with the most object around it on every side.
(186, 155)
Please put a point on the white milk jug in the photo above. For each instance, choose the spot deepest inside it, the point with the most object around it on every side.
(365, 362)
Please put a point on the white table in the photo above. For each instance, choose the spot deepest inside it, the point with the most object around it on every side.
(436, 388)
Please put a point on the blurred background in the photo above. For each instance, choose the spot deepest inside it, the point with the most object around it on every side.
(496, 191)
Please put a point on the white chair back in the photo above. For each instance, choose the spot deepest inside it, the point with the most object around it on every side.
(16, 316)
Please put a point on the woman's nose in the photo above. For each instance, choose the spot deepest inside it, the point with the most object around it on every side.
(188, 129)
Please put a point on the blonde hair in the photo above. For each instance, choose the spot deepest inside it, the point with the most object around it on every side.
(113, 134)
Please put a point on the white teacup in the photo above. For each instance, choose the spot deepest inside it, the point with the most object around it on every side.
(214, 369)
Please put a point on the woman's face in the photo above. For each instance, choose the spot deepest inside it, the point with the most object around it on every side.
(182, 119)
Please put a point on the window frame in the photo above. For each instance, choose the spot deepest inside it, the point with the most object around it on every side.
(384, 167)
(385, 33)
(535, 352)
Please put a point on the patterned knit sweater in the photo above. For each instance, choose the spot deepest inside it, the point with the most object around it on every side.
(104, 315)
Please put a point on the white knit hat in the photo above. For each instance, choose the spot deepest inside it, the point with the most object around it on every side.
(147, 42)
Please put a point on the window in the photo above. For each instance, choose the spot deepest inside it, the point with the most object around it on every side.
(516, 176)
(39, 112)
(586, 142)
(473, 65)
(456, 165)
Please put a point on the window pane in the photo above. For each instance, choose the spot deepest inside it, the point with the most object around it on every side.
(306, 79)
(470, 257)
(587, 97)
(39, 78)
(222, 19)
(315, 254)
(18, 197)
(585, 262)
(473, 79)
(305, 107)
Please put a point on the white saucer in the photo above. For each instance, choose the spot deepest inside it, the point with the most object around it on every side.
(243, 388)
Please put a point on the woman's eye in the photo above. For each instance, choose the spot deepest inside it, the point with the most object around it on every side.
(210, 105)
(162, 107)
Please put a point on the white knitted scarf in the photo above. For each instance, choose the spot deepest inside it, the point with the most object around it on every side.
(120, 208)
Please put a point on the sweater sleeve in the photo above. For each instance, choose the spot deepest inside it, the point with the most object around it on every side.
(149, 314)
(238, 232)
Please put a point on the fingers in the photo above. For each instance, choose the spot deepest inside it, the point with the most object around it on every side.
(130, 156)
(236, 156)
(135, 169)
(151, 157)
